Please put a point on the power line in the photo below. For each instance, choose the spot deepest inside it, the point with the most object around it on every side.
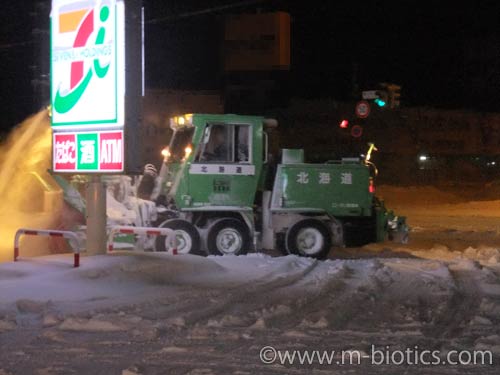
(156, 21)
(201, 12)
(17, 44)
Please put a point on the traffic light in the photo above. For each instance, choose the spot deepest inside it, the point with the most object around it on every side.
(387, 96)
(381, 101)
(344, 124)
(393, 92)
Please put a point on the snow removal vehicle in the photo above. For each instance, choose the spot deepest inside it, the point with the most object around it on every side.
(223, 194)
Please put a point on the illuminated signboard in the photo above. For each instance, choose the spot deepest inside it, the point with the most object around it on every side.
(87, 64)
(88, 151)
(96, 85)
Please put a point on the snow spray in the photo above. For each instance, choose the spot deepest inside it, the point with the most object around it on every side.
(29, 196)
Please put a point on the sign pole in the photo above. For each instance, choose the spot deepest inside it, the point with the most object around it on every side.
(96, 216)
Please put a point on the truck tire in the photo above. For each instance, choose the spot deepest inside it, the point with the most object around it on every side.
(228, 236)
(309, 238)
(188, 238)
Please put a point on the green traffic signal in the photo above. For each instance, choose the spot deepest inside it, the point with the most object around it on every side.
(380, 102)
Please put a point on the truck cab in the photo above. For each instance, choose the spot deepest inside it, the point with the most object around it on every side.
(223, 164)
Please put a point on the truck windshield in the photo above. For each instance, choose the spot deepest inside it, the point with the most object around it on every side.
(181, 139)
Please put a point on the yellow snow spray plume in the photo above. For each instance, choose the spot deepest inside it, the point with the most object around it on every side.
(29, 197)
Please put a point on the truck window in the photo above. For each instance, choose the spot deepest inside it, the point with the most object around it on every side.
(180, 140)
(242, 144)
(226, 144)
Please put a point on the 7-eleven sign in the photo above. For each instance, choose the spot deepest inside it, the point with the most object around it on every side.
(98, 152)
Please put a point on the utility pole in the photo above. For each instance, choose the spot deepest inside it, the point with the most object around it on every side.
(41, 63)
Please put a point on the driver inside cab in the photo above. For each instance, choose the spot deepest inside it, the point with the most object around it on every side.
(217, 148)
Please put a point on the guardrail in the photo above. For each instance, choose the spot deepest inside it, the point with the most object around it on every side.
(150, 231)
(71, 236)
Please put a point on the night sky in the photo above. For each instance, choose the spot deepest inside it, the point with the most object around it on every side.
(442, 53)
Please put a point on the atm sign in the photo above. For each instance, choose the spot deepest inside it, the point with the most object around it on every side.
(88, 152)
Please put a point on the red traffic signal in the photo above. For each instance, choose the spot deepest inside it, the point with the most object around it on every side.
(344, 124)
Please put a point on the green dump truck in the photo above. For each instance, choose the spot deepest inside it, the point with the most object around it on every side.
(224, 194)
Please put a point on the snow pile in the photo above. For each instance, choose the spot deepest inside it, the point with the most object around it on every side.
(145, 311)
(37, 284)
(483, 253)
(161, 269)
(6, 325)
(90, 325)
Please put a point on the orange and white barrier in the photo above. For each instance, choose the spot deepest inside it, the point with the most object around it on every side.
(149, 231)
(74, 240)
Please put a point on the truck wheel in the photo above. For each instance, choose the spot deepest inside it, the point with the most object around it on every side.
(228, 236)
(188, 238)
(310, 238)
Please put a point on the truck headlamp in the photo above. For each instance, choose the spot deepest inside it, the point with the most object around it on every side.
(181, 121)
(165, 153)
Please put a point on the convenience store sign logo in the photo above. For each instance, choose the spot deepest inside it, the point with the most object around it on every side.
(88, 152)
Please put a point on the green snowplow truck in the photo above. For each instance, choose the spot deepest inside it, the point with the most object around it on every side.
(223, 193)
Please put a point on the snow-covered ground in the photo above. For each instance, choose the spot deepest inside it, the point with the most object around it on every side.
(146, 313)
